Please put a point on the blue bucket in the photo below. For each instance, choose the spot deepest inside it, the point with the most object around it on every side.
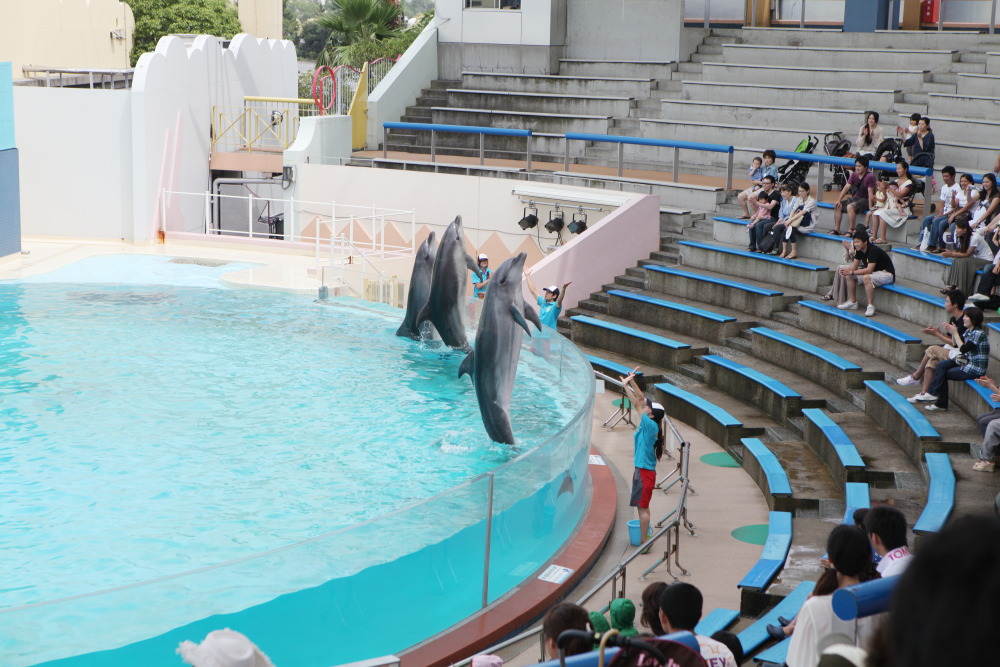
(634, 533)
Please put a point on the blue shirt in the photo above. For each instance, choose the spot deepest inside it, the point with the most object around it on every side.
(548, 312)
(785, 208)
(770, 170)
(645, 443)
(476, 291)
(757, 174)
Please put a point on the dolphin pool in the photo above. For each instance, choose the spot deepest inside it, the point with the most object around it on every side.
(181, 457)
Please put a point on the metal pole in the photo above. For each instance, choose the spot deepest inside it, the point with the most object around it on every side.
(819, 181)
(993, 17)
(529, 152)
(753, 14)
(385, 143)
(621, 158)
(708, 11)
(208, 211)
(489, 535)
(677, 164)
(566, 159)
(940, 22)
(802, 14)
(729, 171)
(482, 148)
(249, 215)
(432, 145)
(888, 18)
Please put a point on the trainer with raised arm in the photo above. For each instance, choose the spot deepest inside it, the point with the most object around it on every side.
(549, 301)
(648, 448)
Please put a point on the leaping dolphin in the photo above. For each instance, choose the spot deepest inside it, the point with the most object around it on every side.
(444, 303)
(420, 287)
(493, 363)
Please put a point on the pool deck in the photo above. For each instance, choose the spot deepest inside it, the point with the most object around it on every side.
(726, 498)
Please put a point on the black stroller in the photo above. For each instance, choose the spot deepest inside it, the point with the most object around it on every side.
(891, 148)
(794, 172)
(836, 145)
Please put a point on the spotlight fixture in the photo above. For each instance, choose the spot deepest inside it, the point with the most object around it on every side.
(579, 224)
(555, 223)
(530, 218)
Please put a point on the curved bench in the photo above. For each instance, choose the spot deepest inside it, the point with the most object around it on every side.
(751, 386)
(940, 494)
(833, 446)
(815, 245)
(899, 418)
(993, 331)
(725, 293)
(808, 360)
(972, 398)
(752, 265)
(672, 316)
(705, 416)
(856, 496)
(772, 558)
(921, 267)
(646, 347)
(756, 634)
(765, 469)
(716, 620)
(865, 333)
(911, 304)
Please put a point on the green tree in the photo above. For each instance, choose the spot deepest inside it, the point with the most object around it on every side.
(354, 26)
(311, 40)
(156, 18)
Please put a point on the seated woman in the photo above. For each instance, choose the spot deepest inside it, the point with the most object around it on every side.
(802, 220)
(991, 276)
(954, 306)
(970, 254)
(869, 136)
(896, 209)
(970, 364)
(769, 169)
(922, 144)
(985, 207)
(965, 199)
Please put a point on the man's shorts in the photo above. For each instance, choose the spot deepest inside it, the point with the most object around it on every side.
(643, 482)
(935, 354)
(879, 278)
(860, 204)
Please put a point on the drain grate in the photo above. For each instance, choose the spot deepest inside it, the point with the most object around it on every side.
(212, 263)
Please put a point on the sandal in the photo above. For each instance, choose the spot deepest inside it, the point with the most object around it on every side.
(826, 297)
(793, 256)
(879, 241)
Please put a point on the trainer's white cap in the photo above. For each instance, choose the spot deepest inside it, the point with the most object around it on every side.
(482, 257)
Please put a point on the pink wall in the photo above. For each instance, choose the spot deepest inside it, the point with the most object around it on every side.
(604, 251)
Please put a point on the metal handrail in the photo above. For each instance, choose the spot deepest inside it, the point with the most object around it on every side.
(847, 162)
(618, 573)
(459, 129)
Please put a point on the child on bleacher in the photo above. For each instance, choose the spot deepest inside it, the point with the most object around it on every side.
(757, 182)
(881, 199)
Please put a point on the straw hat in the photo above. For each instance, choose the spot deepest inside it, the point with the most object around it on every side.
(223, 648)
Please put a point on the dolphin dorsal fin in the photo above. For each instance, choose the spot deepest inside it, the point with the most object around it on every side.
(532, 315)
(519, 318)
(465, 368)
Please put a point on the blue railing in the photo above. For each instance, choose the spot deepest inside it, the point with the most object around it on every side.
(847, 162)
(867, 599)
(459, 129)
(661, 143)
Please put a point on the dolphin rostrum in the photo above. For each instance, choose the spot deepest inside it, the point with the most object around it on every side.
(493, 363)
(420, 287)
(444, 303)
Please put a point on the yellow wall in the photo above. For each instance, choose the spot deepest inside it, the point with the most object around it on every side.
(65, 33)
(261, 18)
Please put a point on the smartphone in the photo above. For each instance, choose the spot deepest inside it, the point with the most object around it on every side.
(948, 238)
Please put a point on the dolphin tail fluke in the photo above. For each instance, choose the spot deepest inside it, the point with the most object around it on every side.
(532, 316)
(519, 318)
(473, 265)
(423, 315)
(466, 366)
(405, 331)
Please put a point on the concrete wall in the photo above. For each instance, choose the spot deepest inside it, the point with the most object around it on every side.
(76, 156)
(634, 30)
(261, 18)
(6, 107)
(402, 85)
(66, 33)
(10, 187)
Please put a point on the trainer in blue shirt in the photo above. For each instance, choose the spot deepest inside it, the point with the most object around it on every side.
(549, 301)
(479, 289)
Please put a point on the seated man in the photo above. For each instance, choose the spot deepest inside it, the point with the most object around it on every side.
(680, 609)
(886, 528)
(989, 424)
(760, 225)
(954, 308)
(872, 266)
(936, 223)
(861, 188)
(989, 280)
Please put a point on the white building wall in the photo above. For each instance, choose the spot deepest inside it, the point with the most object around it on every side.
(633, 30)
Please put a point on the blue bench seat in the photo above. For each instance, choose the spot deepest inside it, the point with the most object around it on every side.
(901, 419)
(935, 300)
(856, 496)
(704, 415)
(852, 327)
(717, 413)
(754, 255)
(727, 283)
(866, 322)
(825, 356)
(752, 386)
(716, 620)
(753, 375)
(833, 446)
(755, 635)
(774, 473)
(671, 305)
(628, 331)
(940, 494)
(916, 421)
(772, 558)
(612, 366)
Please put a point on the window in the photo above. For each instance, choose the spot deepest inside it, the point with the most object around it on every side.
(492, 4)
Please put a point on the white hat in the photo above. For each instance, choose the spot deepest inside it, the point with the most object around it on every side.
(223, 648)
(487, 660)
(482, 257)
(551, 288)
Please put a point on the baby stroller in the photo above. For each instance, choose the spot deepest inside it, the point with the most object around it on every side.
(794, 172)
(836, 145)
(891, 148)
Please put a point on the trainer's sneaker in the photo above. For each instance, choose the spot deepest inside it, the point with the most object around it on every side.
(870, 311)
(984, 466)
(934, 408)
(848, 305)
(978, 297)
(922, 397)
(909, 379)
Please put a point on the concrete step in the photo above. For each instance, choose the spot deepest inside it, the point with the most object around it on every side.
(688, 68)
(704, 57)
(616, 68)
(972, 57)
(443, 84)
(848, 57)
(969, 106)
(882, 39)
(830, 120)
(937, 87)
(985, 85)
(946, 77)
(904, 109)
(828, 77)
(993, 62)
(790, 96)
(568, 85)
(968, 67)
(588, 105)
(716, 49)
(915, 98)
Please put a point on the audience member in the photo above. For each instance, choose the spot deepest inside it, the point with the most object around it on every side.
(838, 290)
(848, 551)
(872, 267)
(768, 169)
(859, 192)
(768, 202)
(869, 136)
(487, 660)
(598, 623)
(622, 615)
(985, 202)
(989, 425)
(732, 642)
(650, 617)
(935, 223)
(971, 253)
(886, 528)
(680, 609)
(920, 145)
(565, 616)
(954, 306)
(802, 220)
(945, 607)
(897, 205)
(905, 133)
(989, 279)
(970, 364)
(223, 648)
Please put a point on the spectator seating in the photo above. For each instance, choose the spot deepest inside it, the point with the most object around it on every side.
(772, 558)
(753, 387)
(765, 469)
(742, 264)
(866, 333)
(806, 359)
(672, 316)
(754, 636)
(643, 346)
(716, 620)
(856, 496)
(706, 417)
(685, 284)
(832, 445)
(901, 419)
(940, 494)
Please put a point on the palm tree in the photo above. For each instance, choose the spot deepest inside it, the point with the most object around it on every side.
(354, 21)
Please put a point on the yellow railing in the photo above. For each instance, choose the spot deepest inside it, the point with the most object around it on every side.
(265, 124)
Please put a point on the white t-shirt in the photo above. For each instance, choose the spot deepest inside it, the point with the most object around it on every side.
(715, 653)
(980, 249)
(815, 621)
(949, 192)
(893, 563)
(963, 197)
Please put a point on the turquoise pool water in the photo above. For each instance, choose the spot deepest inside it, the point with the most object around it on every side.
(224, 457)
